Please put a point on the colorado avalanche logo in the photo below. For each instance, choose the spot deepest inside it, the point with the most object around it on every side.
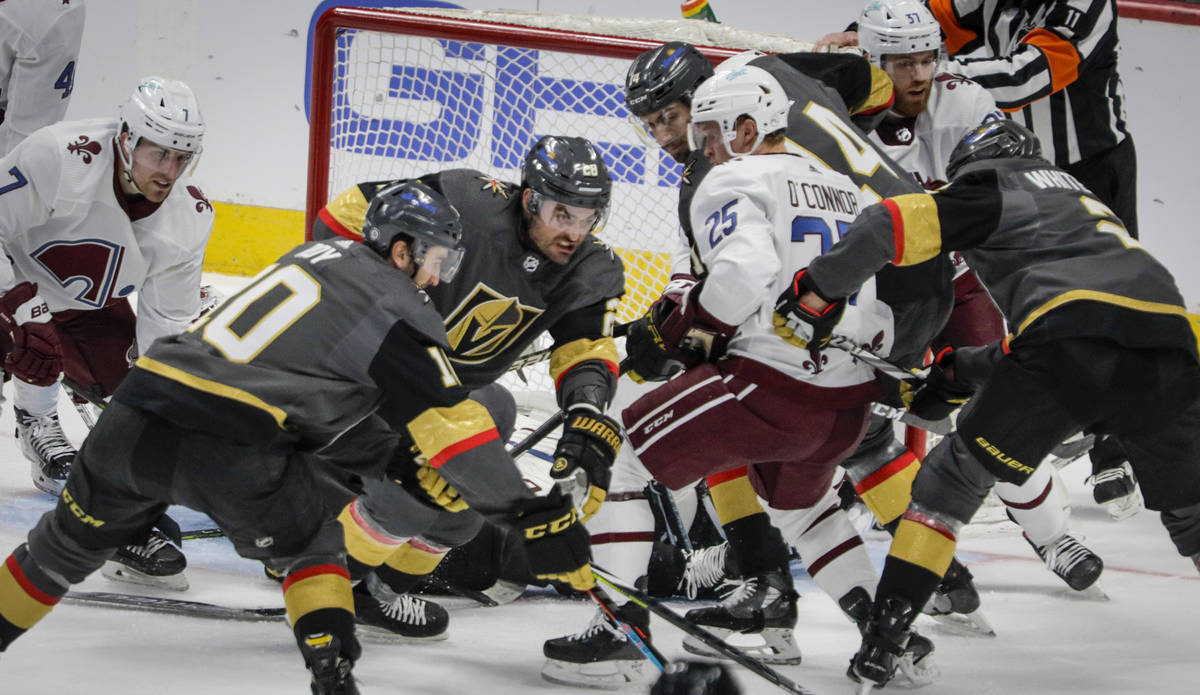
(88, 267)
(85, 147)
(202, 202)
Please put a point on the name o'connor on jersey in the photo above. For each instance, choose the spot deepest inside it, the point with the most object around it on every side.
(752, 243)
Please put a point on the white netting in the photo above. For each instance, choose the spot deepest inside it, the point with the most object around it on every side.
(406, 105)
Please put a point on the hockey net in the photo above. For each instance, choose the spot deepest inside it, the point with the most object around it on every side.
(400, 93)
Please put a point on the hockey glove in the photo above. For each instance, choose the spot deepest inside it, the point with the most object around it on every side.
(35, 355)
(588, 447)
(210, 298)
(940, 394)
(690, 334)
(801, 325)
(558, 547)
(439, 490)
(646, 357)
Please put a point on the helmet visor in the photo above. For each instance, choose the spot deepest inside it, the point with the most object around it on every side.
(436, 259)
(570, 219)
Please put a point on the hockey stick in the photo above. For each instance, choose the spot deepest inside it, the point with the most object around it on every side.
(173, 606)
(557, 418)
(942, 427)
(736, 655)
(636, 637)
(877, 362)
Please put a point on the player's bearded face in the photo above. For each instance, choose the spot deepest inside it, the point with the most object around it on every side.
(668, 128)
(558, 229)
(155, 169)
(912, 75)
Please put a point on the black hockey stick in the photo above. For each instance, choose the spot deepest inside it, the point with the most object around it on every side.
(635, 635)
(733, 653)
(172, 606)
(557, 418)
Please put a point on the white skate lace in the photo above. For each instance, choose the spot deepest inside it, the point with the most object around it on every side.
(151, 547)
(405, 609)
(705, 567)
(1062, 555)
(47, 438)
(600, 623)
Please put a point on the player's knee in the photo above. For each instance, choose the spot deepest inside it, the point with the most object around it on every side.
(1183, 525)
(953, 481)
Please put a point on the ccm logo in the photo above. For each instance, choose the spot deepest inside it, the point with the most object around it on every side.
(659, 421)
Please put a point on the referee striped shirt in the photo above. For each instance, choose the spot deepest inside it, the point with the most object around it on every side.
(1052, 68)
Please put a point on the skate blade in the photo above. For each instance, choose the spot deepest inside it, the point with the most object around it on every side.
(43, 482)
(973, 624)
(120, 573)
(866, 686)
(383, 635)
(1095, 592)
(777, 648)
(602, 675)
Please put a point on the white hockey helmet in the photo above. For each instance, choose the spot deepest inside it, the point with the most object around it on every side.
(738, 60)
(745, 90)
(165, 112)
(897, 27)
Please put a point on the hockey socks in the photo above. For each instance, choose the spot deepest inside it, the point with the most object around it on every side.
(318, 600)
(27, 594)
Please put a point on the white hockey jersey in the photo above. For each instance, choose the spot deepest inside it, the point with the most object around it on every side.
(39, 46)
(757, 220)
(63, 227)
(922, 144)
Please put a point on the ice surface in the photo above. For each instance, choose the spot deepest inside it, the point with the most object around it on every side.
(1050, 640)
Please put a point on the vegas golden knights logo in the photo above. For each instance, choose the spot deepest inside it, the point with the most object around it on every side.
(486, 323)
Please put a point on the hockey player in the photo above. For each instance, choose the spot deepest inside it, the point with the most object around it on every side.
(40, 43)
(933, 111)
(90, 214)
(1101, 342)
(534, 267)
(225, 417)
(39, 47)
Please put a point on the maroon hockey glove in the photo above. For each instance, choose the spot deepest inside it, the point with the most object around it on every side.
(940, 394)
(558, 547)
(800, 325)
(690, 334)
(36, 353)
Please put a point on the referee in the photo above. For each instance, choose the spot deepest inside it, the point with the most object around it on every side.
(1052, 65)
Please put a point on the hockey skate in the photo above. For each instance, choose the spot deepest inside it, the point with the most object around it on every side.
(955, 602)
(157, 563)
(46, 447)
(887, 641)
(601, 656)
(405, 617)
(764, 606)
(1116, 490)
(915, 663)
(330, 671)
(1071, 561)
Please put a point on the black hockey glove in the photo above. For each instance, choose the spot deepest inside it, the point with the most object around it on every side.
(558, 546)
(940, 394)
(589, 445)
(646, 357)
(800, 325)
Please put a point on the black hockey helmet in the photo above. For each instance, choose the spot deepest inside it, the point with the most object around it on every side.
(664, 75)
(695, 678)
(1002, 139)
(412, 212)
(569, 170)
